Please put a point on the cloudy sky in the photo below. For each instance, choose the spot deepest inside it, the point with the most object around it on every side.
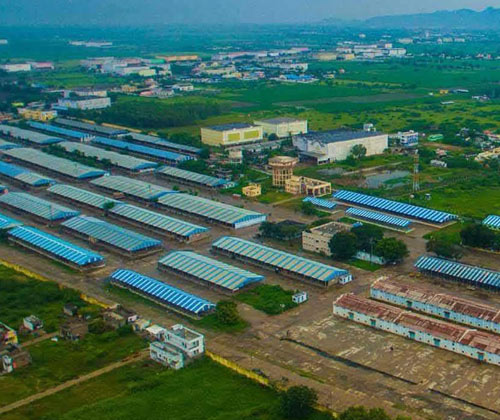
(213, 11)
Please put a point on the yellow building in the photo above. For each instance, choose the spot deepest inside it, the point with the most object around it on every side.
(37, 114)
(231, 134)
(283, 126)
(252, 190)
(282, 167)
(300, 185)
(7, 335)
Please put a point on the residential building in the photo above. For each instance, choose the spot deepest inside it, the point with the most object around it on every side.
(235, 156)
(85, 92)
(156, 332)
(15, 68)
(317, 239)
(74, 329)
(191, 343)
(299, 297)
(282, 167)
(408, 138)
(336, 145)
(252, 190)
(183, 87)
(438, 163)
(231, 134)
(70, 309)
(301, 185)
(84, 102)
(32, 323)
(13, 357)
(37, 114)
(8, 335)
(283, 126)
(166, 355)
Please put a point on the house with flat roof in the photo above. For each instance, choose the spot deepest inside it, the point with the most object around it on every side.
(283, 126)
(232, 134)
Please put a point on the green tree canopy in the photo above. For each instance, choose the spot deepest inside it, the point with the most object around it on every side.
(367, 236)
(391, 249)
(343, 245)
(480, 236)
(298, 401)
(358, 151)
(226, 312)
(444, 247)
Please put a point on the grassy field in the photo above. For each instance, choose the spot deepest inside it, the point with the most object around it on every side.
(271, 299)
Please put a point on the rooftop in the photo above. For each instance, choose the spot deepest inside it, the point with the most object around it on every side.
(230, 126)
(334, 136)
(281, 120)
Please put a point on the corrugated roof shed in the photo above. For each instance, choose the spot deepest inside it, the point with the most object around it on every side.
(81, 196)
(93, 128)
(56, 164)
(492, 221)
(162, 292)
(258, 253)
(7, 222)
(163, 143)
(110, 234)
(404, 209)
(208, 270)
(28, 135)
(191, 177)
(369, 307)
(132, 187)
(6, 145)
(55, 246)
(78, 135)
(375, 216)
(24, 175)
(211, 210)
(320, 202)
(36, 206)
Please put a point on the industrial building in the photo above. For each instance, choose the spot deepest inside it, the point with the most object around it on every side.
(191, 178)
(408, 138)
(232, 134)
(478, 345)
(283, 127)
(61, 131)
(55, 248)
(138, 190)
(159, 223)
(335, 145)
(207, 271)
(320, 202)
(36, 208)
(81, 197)
(38, 114)
(24, 177)
(282, 167)
(121, 161)
(28, 136)
(60, 166)
(160, 143)
(464, 273)
(280, 261)
(492, 221)
(84, 103)
(211, 211)
(384, 220)
(317, 239)
(100, 233)
(403, 209)
(162, 293)
(6, 145)
(301, 185)
(442, 305)
(95, 129)
(7, 222)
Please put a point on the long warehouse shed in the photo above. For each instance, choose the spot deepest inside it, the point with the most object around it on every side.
(139, 190)
(121, 240)
(492, 221)
(60, 131)
(379, 218)
(281, 262)
(207, 271)
(320, 202)
(478, 345)
(23, 176)
(128, 163)
(6, 145)
(452, 270)
(82, 197)
(191, 178)
(28, 135)
(7, 222)
(92, 128)
(162, 293)
(211, 211)
(35, 207)
(164, 156)
(442, 305)
(55, 248)
(159, 223)
(409, 210)
(57, 165)
(161, 143)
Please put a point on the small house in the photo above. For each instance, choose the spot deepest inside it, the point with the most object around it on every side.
(156, 332)
(114, 320)
(166, 355)
(8, 335)
(74, 330)
(32, 323)
(300, 297)
(70, 309)
(141, 325)
(13, 357)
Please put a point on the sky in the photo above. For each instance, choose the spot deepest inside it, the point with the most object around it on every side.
(129, 12)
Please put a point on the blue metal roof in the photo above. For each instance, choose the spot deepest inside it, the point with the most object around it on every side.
(94, 128)
(37, 206)
(163, 143)
(378, 217)
(81, 196)
(24, 175)
(320, 202)
(481, 277)
(132, 187)
(193, 177)
(7, 222)
(280, 259)
(59, 130)
(110, 234)
(163, 155)
(162, 292)
(209, 270)
(28, 135)
(492, 221)
(55, 246)
(417, 212)
(6, 145)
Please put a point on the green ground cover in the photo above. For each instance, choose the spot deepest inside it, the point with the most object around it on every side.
(271, 299)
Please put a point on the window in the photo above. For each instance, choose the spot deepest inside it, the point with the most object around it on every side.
(437, 342)
(412, 335)
(351, 315)
(373, 323)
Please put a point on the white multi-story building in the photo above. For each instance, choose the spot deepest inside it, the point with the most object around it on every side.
(14, 68)
(408, 138)
(186, 340)
(84, 102)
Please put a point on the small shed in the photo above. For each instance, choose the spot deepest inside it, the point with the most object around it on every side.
(300, 297)
(32, 323)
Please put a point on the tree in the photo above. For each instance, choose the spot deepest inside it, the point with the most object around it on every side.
(361, 413)
(392, 250)
(479, 236)
(343, 245)
(367, 236)
(358, 151)
(297, 402)
(444, 247)
(226, 312)
(308, 208)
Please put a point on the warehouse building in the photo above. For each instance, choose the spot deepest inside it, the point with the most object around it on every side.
(84, 103)
(162, 293)
(492, 221)
(95, 129)
(320, 202)
(55, 248)
(124, 162)
(403, 209)
(207, 271)
(28, 136)
(159, 223)
(60, 166)
(335, 145)
(380, 219)
(61, 131)
(478, 345)
(442, 305)
(211, 211)
(282, 127)
(138, 190)
(464, 273)
(24, 177)
(281, 262)
(82, 197)
(123, 241)
(191, 178)
(36, 208)
(160, 143)
(7, 222)
(7, 145)
(233, 134)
